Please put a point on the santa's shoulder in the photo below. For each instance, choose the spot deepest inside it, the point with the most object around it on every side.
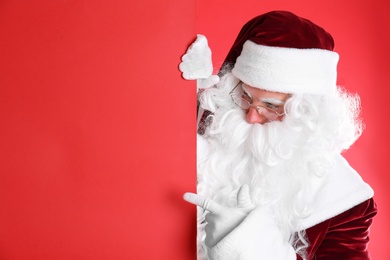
(342, 190)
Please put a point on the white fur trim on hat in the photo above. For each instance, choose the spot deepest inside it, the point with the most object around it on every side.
(287, 70)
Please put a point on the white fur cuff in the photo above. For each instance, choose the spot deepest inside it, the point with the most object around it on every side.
(257, 237)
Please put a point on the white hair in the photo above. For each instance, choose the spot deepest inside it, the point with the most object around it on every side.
(277, 159)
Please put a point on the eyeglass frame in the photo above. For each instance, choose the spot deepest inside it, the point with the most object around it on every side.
(231, 93)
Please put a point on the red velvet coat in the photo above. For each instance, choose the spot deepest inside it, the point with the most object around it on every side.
(344, 236)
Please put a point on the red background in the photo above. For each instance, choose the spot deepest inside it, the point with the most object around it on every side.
(361, 32)
(98, 129)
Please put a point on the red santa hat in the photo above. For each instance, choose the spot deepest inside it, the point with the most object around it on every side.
(282, 52)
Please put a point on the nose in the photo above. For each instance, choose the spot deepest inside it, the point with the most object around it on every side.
(253, 117)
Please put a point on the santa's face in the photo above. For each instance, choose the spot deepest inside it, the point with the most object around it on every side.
(261, 106)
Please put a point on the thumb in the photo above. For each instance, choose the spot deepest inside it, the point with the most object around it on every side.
(244, 198)
(201, 40)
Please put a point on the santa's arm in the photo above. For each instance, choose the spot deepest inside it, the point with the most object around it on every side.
(346, 235)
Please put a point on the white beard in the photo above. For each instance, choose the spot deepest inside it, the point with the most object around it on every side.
(263, 156)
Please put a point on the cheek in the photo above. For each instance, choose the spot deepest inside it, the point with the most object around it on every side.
(280, 118)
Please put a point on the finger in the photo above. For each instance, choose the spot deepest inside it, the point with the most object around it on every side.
(243, 197)
(186, 72)
(186, 57)
(187, 75)
(207, 204)
(183, 67)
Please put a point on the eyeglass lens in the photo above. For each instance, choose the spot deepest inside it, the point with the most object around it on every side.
(244, 104)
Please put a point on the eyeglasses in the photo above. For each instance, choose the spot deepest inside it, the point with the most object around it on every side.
(267, 112)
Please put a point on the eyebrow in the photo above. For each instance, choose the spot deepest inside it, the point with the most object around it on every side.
(272, 101)
(265, 100)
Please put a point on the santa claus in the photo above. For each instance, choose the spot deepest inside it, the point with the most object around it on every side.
(272, 183)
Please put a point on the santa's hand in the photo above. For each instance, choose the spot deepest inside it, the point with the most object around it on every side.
(221, 220)
(197, 63)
